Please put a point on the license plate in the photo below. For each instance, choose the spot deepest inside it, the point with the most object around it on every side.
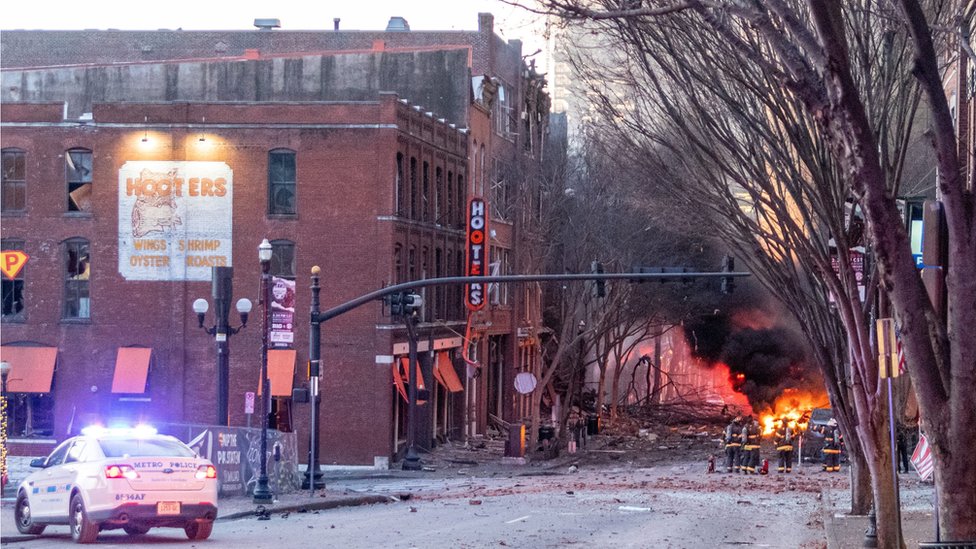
(168, 508)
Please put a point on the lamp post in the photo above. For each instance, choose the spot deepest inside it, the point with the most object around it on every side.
(313, 475)
(4, 371)
(223, 284)
(262, 492)
(406, 307)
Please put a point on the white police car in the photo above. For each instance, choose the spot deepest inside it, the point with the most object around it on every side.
(133, 479)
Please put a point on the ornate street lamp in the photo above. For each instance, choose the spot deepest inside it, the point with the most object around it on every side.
(222, 291)
(262, 492)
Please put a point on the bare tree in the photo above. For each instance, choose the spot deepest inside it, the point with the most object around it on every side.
(813, 53)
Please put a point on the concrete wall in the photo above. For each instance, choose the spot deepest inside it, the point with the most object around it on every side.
(438, 80)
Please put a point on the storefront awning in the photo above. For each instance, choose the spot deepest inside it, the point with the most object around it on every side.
(281, 372)
(400, 370)
(31, 368)
(444, 372)
(131, 370)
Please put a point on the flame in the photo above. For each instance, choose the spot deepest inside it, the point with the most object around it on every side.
(794, 405)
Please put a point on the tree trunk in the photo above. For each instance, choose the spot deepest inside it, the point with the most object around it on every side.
(877, 451)
(956, 486)
(862, 496)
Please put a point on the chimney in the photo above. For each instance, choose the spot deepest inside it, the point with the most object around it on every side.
(397, 24)
(335, 23)
(267, 24)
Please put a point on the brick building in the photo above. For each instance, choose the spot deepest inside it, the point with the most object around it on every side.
(312, 155)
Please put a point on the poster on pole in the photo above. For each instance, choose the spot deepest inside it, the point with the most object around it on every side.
(282, 312)
(175, 219)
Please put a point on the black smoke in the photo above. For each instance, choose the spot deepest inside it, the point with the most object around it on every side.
(770, 360)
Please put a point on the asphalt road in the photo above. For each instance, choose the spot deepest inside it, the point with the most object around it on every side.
(667, 506)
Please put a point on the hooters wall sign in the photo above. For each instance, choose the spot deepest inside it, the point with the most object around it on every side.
(477, 252)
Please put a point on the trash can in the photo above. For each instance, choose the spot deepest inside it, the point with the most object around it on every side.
(546, 432)
(593, 425)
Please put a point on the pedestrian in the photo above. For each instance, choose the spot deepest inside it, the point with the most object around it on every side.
(783, 440)
(903, 434)
(733, 444)
(832, 447)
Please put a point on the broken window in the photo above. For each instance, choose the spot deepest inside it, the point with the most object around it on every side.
(14, 186)
(401, 182)
(78, 172)
(77, 301)
(425, 194)
(413, 188)
(281, 182)
(13, 290)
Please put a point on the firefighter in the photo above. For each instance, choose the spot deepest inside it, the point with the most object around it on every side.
(783, 439)
(750, 446)
(832, 447)
(733, 444)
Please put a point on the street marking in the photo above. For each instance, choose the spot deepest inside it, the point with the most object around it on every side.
(518, 519)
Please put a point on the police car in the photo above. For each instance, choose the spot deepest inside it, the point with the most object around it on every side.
(133, 479)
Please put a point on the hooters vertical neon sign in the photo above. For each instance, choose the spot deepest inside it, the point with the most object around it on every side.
(477, 252)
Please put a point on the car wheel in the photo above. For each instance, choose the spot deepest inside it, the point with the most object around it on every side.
(135, 529)
(198, 529)
(25, 521)
(83, 530)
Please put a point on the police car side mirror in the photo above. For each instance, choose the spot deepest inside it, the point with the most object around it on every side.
(39, 462)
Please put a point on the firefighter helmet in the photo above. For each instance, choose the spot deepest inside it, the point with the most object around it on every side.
(832, 422)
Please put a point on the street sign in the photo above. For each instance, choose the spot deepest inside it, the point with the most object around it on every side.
(249, 402)
(12, 262)
(922, 459)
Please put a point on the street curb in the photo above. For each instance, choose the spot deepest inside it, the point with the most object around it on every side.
(309, 506)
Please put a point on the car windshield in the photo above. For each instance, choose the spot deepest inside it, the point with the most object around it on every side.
(144, 448)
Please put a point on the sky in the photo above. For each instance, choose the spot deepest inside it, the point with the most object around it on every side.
(510, 22)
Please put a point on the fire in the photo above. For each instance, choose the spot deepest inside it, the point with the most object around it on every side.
(795, 405)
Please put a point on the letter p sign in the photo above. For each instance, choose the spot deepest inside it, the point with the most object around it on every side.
(12, 262)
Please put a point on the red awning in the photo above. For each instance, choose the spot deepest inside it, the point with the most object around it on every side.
(131, 370)
(400, 370)
(444, 372)
(281, 372)
(31, 368)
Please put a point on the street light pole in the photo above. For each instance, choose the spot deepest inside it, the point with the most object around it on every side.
(313, 475)
(4, 371)
(411, 460)
(262, 492)
(223, 288)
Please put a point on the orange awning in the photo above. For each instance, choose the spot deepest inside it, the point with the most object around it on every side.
(400, 378)
(444, 372)
(31, 368)
(281, 372)
(131, 370)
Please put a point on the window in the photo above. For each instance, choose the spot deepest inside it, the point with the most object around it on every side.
(77, 302)
(283, 259)
(13, 290)
(502, 112)
(30, 415)
(78, 173)
(412, 264)
(58, 455)
(439, 195)
(148, 447)
(413, 188)
(462, 205)
(398, 264)
(281, 182)
(401, 183)
(14, 184)
(425, 194)
(451, 219)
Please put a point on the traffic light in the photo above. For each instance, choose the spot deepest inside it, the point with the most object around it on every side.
(600, 288)
(404, 304)
(728, 266)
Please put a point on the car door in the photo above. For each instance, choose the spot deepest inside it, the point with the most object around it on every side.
(43, 485)
(64, 476)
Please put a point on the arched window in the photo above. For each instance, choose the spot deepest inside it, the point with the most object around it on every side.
(439, 211)
(425, 194)
(282, 182)
(451, 214)
(14, 181)
(78, 174)
(397, 263)
(77, 279)
(283, 259)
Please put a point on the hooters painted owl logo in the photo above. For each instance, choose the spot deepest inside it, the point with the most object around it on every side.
(155, 211)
